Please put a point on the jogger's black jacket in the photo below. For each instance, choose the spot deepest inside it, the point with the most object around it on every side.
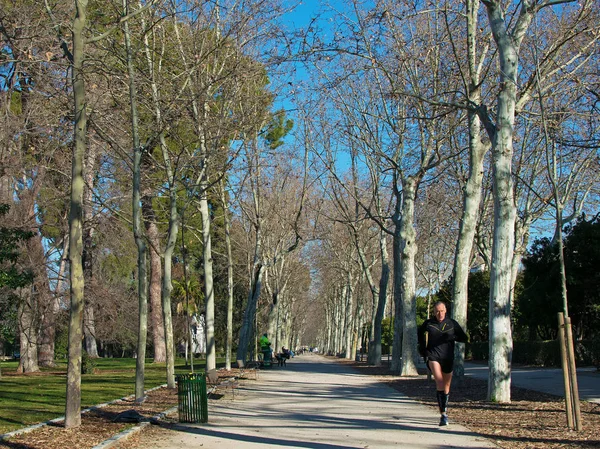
(442, 335)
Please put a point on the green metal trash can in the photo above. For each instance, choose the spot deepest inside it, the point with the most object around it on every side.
(191, 398)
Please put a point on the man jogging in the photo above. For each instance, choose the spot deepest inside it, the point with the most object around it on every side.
(438, 351)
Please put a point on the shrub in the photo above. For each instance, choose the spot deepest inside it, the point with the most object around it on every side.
(477, 350)
(88, 364)
(537, 353)
(587, 352)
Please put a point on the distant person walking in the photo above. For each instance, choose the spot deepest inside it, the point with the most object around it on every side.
(438, 350)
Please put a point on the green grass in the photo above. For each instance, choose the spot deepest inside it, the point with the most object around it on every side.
(30, 399)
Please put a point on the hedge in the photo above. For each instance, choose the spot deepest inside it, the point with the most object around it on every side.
(541, 353)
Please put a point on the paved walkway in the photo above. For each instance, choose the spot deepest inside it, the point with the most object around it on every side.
(318, 403)
(546, 380)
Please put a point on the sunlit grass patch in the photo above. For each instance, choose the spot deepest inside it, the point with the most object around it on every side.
(27, 399)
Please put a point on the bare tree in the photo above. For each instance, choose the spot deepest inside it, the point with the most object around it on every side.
(508, 36)
(259, 178)
(379, 83)
(76, 58)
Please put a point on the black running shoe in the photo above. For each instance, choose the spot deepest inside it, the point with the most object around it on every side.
(444, 420)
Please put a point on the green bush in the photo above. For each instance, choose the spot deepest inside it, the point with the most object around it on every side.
(478, 350)
(537, 353)
(61, 346)
(88, 364)
(587, 352)
(541, 353)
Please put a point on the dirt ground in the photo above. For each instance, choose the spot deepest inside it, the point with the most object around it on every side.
(531, 420)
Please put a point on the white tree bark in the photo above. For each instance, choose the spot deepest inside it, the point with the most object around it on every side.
(472, 190)
(350, 315)
(508, 39)
(227, 226)
(209, 294)
(407, 285)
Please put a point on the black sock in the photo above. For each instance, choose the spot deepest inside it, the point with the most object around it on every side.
(439, 395)
(444, 402)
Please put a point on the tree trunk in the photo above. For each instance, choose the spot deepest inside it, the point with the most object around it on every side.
(167, 287)
(258, 269)
(137, 219)
(500, 333)
(397, 278)
(39, 306)
(408, 284)
(466, 236)
(374, 357)
(229, 343)
(28, 325)
(250, 312)
(209, 295)
(89, 322)
(341, 305)
(329, 324)
(73, 395)
(464, 245)
(154, 291)
(472, 192)
(272, 320)
(350, 318)
(48, 330)
(48, 334)
(89, 330)
(358, 323)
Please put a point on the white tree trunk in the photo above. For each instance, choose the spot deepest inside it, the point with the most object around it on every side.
(229, 343)
(472, 192)
(89, 330)
(209, 295)
(408, 282)
(350, 318)
(500, 333)
(167, 288)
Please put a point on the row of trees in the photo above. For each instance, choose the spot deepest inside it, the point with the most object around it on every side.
(429, 138)
(164, 113)
(462, 124)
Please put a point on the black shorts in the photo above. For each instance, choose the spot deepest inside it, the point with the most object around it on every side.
(446, 364)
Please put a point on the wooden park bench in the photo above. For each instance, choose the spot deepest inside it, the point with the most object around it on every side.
(248, 366)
